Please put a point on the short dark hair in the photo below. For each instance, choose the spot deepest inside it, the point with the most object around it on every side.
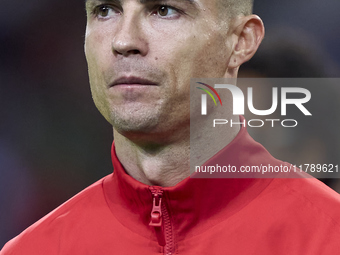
(236, 7)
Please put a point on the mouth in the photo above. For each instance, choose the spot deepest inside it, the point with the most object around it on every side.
(132, 80)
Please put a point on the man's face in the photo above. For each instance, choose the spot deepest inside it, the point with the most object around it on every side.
(141, 55)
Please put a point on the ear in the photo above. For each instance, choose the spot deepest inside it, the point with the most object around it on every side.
(248, 34)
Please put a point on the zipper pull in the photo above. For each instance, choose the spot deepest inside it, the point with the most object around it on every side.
(156, 214)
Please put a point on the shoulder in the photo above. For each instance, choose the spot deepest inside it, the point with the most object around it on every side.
(300, 214)
(305, 201)
(42, 237)
(309, 191)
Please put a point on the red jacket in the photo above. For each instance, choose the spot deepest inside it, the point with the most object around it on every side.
(119, 215)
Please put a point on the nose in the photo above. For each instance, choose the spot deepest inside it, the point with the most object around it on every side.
(130, 37)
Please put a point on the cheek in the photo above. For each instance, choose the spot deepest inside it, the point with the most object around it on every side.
(94, 57)
(98, 54)
(199, 55)
(94, 73)
(213, 57)
(98, 49)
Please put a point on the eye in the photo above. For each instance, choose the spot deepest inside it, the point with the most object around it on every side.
(167, 11)
(104, 11)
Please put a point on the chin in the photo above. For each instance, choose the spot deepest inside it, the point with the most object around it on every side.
(135, 117)
(134, 124)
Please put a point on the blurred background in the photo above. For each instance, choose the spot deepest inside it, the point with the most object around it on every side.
(53, 141)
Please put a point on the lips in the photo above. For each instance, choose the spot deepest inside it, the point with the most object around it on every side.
(132, 81)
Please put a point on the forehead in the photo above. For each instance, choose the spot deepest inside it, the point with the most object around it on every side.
(121, 2)
(142, 1)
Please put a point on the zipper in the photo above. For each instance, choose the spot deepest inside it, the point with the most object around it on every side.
(160, 220)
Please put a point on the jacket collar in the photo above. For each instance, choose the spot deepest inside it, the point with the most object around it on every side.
(194, 204)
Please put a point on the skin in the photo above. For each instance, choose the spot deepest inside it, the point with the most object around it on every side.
(163, 47)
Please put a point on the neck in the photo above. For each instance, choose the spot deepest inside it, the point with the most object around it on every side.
(161, 165)
(167, 165)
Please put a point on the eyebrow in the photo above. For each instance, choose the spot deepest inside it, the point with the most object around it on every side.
(89, 1)
(151, 1)
(143, 1)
